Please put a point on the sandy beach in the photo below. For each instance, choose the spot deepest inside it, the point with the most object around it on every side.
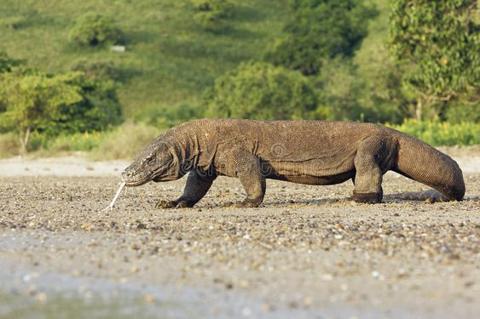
(308, 252)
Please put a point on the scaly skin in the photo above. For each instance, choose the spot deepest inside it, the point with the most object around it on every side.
(306, 152)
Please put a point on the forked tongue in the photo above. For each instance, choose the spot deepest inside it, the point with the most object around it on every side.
(117, 194)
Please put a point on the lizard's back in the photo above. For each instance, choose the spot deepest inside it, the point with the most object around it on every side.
(312, 152)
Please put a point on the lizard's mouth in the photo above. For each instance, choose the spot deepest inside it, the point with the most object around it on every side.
(132, 180)
(133, 176)
(136, 183)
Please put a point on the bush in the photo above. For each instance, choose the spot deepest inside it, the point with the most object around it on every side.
(442, 133)
(93, 29)
(125, 141)
(261, 91)
(97, 70)
(98, 110)
(211, 14)
(210, 21)
(223, 8)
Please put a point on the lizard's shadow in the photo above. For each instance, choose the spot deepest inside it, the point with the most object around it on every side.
(306, 202)
(395, 198)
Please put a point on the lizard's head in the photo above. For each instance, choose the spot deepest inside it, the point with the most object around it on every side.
(157, 162)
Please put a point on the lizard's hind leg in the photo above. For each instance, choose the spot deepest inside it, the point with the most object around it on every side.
(249, 172)
(368, 176)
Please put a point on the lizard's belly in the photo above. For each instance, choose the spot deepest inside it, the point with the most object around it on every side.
(315, 172)
(314, 180)
(326, 170)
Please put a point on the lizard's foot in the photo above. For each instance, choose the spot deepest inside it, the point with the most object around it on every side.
(247, 203)
(367, 198)
(184, 204)
(166, 204)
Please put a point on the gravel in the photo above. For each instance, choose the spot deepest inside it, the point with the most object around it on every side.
(307, 252)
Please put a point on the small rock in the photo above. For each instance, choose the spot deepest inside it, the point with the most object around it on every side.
(135, 269)
(149, 298)
(41, 297)
(118, 48)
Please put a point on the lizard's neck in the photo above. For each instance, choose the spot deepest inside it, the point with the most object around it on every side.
(194, 145)
(186, 147)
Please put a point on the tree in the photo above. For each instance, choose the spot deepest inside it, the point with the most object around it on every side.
(438, 43)
(319, 30)
(259, 90)
(98, 110)
(55, 104)
(32, 100)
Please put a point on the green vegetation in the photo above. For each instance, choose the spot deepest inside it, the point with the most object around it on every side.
(92, 29)
(442, 133)
(9, 145)
(164, 117)
(439, 42)
(34, 102)
(169, 60)
(262, 91)
(212, 15)
(320, 30)
(13, 22)
(100, 145)
(136, 136)
(64, 86)
(7, 63)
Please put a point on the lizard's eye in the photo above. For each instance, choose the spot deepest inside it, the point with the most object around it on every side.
(149, 159)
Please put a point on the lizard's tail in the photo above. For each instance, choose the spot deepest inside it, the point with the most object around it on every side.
(425, 164)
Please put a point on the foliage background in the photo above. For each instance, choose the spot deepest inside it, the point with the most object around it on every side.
(180, 59)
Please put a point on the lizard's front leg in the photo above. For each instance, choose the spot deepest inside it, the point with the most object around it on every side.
(196, 187)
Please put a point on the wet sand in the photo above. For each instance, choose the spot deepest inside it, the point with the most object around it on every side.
(308, 252)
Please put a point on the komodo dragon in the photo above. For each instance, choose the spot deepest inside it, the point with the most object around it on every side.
(306, 152)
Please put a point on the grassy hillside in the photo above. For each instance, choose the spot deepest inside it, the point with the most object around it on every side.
(169, 59)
